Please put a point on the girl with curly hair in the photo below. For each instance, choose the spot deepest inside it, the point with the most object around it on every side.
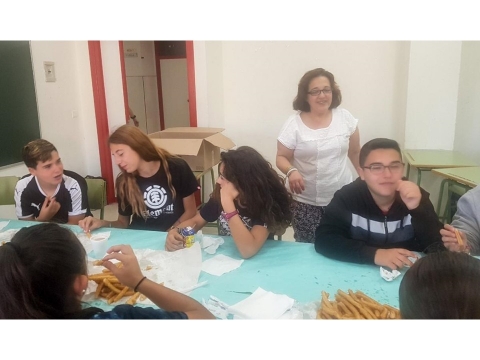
(250, 202)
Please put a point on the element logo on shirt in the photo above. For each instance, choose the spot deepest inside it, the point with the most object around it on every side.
(155, 196)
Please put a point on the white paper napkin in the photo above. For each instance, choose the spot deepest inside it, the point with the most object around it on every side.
(177, 270)
(210, 244)
(220, 264)
(389, 275)
(262, 305)
(7, 235)
(3, 224)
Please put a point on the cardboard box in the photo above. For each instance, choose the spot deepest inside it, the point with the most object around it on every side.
(199, 147)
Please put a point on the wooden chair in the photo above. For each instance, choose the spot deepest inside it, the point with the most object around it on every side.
(97, 195)
(7, 189)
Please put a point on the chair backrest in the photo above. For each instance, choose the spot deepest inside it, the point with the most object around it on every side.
(7, 189)
(97, 194)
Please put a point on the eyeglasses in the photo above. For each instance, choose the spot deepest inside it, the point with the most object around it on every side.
(378, 169)
(220, 175)
(316, 92)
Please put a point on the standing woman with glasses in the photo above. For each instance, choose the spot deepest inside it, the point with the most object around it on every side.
(313, 149)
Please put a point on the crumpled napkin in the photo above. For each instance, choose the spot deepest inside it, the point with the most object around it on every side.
(389, 275)
(262, 305)
(210, 244)
(177, 270)
(412, 259)
(7, 235)
(3, 224)
(217, 307)
(220, 264)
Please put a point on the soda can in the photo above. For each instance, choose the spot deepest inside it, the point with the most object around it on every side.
(188, 235)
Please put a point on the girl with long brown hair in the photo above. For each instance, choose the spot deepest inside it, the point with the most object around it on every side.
(155, 189)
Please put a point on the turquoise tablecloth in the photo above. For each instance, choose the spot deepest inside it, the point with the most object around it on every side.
(282, 267)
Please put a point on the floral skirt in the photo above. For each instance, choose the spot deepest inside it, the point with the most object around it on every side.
(306, 219)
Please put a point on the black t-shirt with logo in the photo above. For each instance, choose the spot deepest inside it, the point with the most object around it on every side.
(162, 210)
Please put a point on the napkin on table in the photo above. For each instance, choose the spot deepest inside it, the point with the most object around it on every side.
(220, 264)
(262, 305)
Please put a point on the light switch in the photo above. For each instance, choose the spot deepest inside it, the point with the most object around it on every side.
(49, 67)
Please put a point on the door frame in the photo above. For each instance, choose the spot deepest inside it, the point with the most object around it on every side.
(192, 96)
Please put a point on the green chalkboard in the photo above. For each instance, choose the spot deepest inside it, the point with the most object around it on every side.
(18, 102)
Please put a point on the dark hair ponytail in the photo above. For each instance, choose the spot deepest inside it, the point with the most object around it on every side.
(37, 271)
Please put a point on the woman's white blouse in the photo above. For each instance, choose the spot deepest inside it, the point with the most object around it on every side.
(320, 155)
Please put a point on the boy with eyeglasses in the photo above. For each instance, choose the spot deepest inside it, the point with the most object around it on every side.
(379, 218)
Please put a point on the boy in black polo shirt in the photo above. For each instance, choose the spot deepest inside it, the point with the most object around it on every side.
(49, 193)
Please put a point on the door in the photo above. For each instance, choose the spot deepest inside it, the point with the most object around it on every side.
(174, 74)
(175, 92)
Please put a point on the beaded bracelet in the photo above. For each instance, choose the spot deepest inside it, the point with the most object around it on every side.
(136, 287)
(292, 169)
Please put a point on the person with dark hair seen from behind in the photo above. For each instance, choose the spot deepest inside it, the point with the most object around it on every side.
(49, 193)
(313, 149)
(43, 275)
(444, 285)
(380, 218)
(155, 189)
(249, 201)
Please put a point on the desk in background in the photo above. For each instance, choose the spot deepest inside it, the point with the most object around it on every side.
(458, 181)
(426, 160)
(282, 267)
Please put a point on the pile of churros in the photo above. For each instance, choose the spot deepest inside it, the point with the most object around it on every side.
(110, 288)
(354, 305)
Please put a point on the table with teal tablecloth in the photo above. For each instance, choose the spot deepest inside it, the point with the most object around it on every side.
(282, 267)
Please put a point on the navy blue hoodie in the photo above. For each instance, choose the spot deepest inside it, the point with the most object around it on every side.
(353, 226)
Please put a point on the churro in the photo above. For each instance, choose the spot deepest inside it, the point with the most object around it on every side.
(459, 238)
(354, 305)
(111, 289)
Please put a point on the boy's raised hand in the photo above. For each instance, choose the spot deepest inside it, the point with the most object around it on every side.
(409, 193)
(49, 208)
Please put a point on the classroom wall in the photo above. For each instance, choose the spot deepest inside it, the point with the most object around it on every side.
(432, 97)
(209, 83)
(65, 107)
(259, 82)
(467, 127)
(114, 96)
(433, 82)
